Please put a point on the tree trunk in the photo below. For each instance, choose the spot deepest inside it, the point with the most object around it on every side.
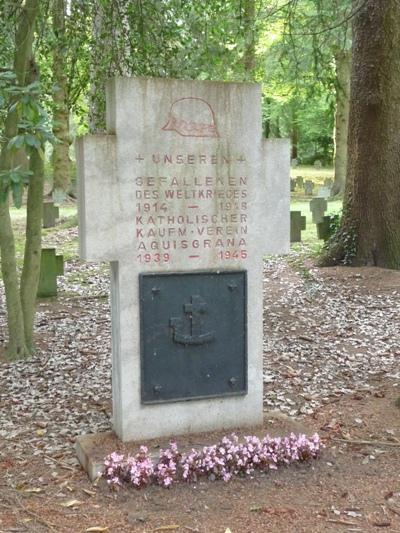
(371, 218)
(97, 92)
(294, 135)
(16, 336)
(343, 73)
(249, 56)
(23, 52)
(33, 242)
(61, 160)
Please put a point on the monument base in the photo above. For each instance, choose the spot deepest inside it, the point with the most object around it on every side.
(91, 449)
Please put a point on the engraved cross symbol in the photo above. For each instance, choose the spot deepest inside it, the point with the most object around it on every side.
(194, 309)
(139, 158)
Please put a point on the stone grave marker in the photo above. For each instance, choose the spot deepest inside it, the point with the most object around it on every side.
(328, 182)
(318, 206)
(183, 197)
(325, 228)
(324, 192)
(292, 185)
(300, 182)
(297, 225)
(317, 164)
(51, 266)
(50, 214)
(308, 187)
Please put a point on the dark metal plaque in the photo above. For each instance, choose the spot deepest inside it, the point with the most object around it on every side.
(193, 335)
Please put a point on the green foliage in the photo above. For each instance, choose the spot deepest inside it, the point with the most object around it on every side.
(346, 235)
(349, 242)
(295, 44)
(34, 131)
(299, 93)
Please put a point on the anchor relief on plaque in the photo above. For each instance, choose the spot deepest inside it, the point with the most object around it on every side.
(188, 330)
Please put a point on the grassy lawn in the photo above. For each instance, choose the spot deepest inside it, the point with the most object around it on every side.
(317, 175)
(20, 214)
(309, 235)
(68, 219)
(300, 202)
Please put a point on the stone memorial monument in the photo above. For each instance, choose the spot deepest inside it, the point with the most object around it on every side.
(324, 192)
(318, 206)
(183, 197)
(308, 187)
(51, 266)
(297, 225)
(50, 214)
(326, 227)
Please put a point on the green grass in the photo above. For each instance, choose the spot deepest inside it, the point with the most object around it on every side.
(20, 214)
(68, 215)
(312, 173)
(300, 202)
(309, 235)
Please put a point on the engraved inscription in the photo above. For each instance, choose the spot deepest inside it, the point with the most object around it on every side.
(182, 210)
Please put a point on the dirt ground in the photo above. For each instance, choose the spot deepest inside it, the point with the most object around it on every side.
(354, 486)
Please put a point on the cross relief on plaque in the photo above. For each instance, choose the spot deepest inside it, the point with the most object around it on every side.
(194, 311)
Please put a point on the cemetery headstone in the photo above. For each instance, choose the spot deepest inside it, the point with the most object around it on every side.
(326, 227)
(324, 192)
(318, 206)
(317, 164)
(292, 185)
(183, 196)
(297, 225)
(51, 266)
(294, 163)
(59, 196)
(328, 182)
(308, 187)
(300, 182)
(50, 214)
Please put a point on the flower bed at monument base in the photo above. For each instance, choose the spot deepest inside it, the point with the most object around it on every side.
(223, 460)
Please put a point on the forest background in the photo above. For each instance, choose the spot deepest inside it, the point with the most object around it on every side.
(56, 56)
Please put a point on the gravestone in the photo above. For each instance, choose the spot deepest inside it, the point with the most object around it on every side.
(326, 227)
(50, 214)
(297, 224)
(324, 192)
(51, 266)
(318, 206)
(328, 182)
(300, 182)
(317, 164)
(183, 197)
(308, 187)
(292, 185)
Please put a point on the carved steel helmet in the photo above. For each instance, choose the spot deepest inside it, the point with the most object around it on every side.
(192, 117)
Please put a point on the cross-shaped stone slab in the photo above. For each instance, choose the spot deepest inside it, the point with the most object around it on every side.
(318, 206)
(297, 225)
(182, 182)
